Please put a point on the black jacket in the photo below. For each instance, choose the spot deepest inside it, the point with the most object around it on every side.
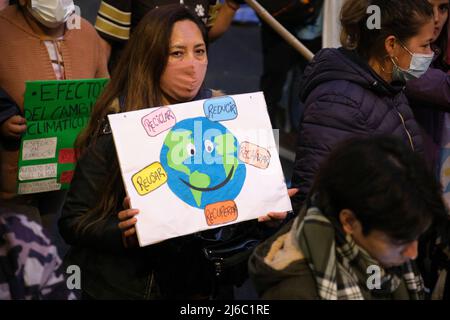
(108, 269)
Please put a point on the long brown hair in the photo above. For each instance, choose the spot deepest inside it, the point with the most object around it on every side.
(135, 82)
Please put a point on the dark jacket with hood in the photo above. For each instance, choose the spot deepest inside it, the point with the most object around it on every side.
(279, 271)
(345, 98)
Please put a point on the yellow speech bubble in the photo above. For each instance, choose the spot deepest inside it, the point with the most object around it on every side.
(149, 178)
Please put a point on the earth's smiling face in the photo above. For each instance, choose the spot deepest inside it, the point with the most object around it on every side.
(201, 160)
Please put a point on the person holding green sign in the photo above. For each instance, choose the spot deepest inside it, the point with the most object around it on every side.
(39, 40)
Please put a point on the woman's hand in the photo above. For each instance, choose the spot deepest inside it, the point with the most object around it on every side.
(274, 219)
(127, 224)
(13, 127)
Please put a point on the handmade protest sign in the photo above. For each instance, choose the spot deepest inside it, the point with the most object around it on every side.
(56, 111)
(199, 165)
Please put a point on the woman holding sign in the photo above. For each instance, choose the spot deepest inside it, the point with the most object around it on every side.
(164, 63)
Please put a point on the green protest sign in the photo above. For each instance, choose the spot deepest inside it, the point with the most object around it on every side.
(56, 111)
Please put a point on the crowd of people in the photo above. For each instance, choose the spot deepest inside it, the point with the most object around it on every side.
(369, 189)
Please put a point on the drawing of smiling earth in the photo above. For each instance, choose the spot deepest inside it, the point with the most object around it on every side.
(201, 160)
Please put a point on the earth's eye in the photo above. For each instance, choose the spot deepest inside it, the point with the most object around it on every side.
(190, 149)
(209, 146)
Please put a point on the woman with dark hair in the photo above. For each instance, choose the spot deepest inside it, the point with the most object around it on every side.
(164, 63)
(429, 95)
(357, 90)
(357, 235)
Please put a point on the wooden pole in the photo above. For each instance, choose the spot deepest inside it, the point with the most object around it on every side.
(282, 31)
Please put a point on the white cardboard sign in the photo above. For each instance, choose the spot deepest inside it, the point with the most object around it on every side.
(199, 165)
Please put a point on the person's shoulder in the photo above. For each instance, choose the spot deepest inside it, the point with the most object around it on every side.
(99, 152)
(102, 146)
(332, 72)
(298, 283)
(338, 91)
(279, 269)
(10, 18)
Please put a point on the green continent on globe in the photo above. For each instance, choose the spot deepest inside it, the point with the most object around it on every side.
(200, 180)
(201, 160)
(177, 141)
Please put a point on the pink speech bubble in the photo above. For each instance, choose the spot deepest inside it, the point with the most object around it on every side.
(158, 121)
(254, 155)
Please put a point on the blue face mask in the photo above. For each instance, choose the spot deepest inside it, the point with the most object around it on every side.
(418, 66)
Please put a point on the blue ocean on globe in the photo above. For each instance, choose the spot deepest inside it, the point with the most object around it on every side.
(201, 160)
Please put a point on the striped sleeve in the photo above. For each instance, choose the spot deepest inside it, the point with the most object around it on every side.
(114, 19)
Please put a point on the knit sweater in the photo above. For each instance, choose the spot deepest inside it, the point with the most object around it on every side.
(24, 57)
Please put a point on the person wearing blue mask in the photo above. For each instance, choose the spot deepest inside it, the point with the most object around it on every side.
(418, 66)
(358, 89)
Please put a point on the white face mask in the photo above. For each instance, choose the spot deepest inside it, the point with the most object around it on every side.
(51, 13)
(418, 66)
